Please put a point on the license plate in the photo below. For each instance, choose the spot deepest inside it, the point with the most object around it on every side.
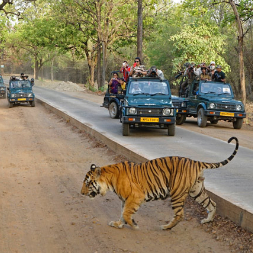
(21, 99)
(229, 114)
(149, 119)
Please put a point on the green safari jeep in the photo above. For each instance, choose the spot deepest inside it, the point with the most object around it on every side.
(214, 101)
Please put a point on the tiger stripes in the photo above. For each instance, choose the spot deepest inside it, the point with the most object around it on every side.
(175, 177)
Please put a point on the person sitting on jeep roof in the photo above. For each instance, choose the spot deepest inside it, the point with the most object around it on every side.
(114, 83)
(154, 72)
(137, 70)
(219, 75)
(125, 69)
(204, 75)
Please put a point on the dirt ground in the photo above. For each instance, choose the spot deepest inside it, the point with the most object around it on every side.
(43, 163)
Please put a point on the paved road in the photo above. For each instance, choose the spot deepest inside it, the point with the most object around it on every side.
(233, 182)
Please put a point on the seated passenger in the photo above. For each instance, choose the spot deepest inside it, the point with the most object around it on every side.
(204, 75)
(219, 76)
(114, 83)
(137, 70)
(136, 89)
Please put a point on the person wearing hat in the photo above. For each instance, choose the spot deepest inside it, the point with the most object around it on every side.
(204, 75)
(219, 75)
(211, 69)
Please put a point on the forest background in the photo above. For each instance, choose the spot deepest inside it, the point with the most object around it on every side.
(83, 41)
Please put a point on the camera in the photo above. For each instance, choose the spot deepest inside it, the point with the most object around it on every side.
(178, 75)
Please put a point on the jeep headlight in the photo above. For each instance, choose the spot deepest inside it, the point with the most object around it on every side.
(211, 106)
(132, 110)
(13, 95)
(29, 95)
(238, 107)
(168, 112)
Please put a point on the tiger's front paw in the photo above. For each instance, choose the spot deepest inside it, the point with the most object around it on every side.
(116, 224)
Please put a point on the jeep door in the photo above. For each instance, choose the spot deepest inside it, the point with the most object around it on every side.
(193, 97)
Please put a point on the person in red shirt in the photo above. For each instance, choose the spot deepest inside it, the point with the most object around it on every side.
(125, 69)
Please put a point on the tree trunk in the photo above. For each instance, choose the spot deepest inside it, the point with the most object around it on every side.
(104, 48)
(99, 66)
(139, 30)
(52, 69)
(240, 47)
(36, 67)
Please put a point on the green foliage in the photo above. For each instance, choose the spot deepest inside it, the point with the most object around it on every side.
(199, 43)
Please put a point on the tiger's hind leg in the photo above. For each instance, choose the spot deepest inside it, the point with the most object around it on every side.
(121, 222)
(199, 194)
(178, 207)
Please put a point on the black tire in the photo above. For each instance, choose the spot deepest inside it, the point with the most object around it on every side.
(202, 119)
(180, 119)
(113, 110)
(238, 123)
(125, 129)
(171, 130)
(11, 105)
(32, 103)
(214, 122)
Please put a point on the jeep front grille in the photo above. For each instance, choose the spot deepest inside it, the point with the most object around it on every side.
(147, 111)
(227, 107)
(177, 104)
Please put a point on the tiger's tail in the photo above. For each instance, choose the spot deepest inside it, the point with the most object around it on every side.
(223, 163)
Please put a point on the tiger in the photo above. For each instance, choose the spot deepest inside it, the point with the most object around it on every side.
(173, 176)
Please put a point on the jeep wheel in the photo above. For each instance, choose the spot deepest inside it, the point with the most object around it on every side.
(113, 110)
(11, 105)
(171, 130)
(202, 119)
(32, 103)
(214, 122)
(125, 129)
(180, 119)
(238, 123)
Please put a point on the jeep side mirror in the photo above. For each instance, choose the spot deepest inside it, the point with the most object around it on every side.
(32, 81)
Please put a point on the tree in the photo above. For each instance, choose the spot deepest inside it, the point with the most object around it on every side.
(139, 29)
(199, 43)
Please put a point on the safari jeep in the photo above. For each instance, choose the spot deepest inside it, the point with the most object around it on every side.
(20, 91)
(214, 101)
(2, 88)
(148, 103)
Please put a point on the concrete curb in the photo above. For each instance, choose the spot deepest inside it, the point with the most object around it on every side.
(240, 216)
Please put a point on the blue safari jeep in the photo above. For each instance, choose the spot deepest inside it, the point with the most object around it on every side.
(2, 88)
(20, 91)
(214, 101)
(148, 103)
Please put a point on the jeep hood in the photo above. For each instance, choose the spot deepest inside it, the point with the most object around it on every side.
(219, 99)
(148, 101)
(16, 90)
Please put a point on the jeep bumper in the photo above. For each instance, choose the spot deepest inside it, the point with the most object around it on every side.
(148, 120)
(225, 115)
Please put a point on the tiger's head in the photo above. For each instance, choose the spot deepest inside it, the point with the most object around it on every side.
(91, 186)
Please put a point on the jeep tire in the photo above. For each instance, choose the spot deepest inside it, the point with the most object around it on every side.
(32, 103)
(171, 130)
(237, 124)
(202, 119)
(11, 105)
(180, 119)
(125, 129)
(113, 110)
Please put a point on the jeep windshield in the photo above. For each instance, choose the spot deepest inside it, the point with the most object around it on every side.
(148, 88)
(20, 84)
(215, 88)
